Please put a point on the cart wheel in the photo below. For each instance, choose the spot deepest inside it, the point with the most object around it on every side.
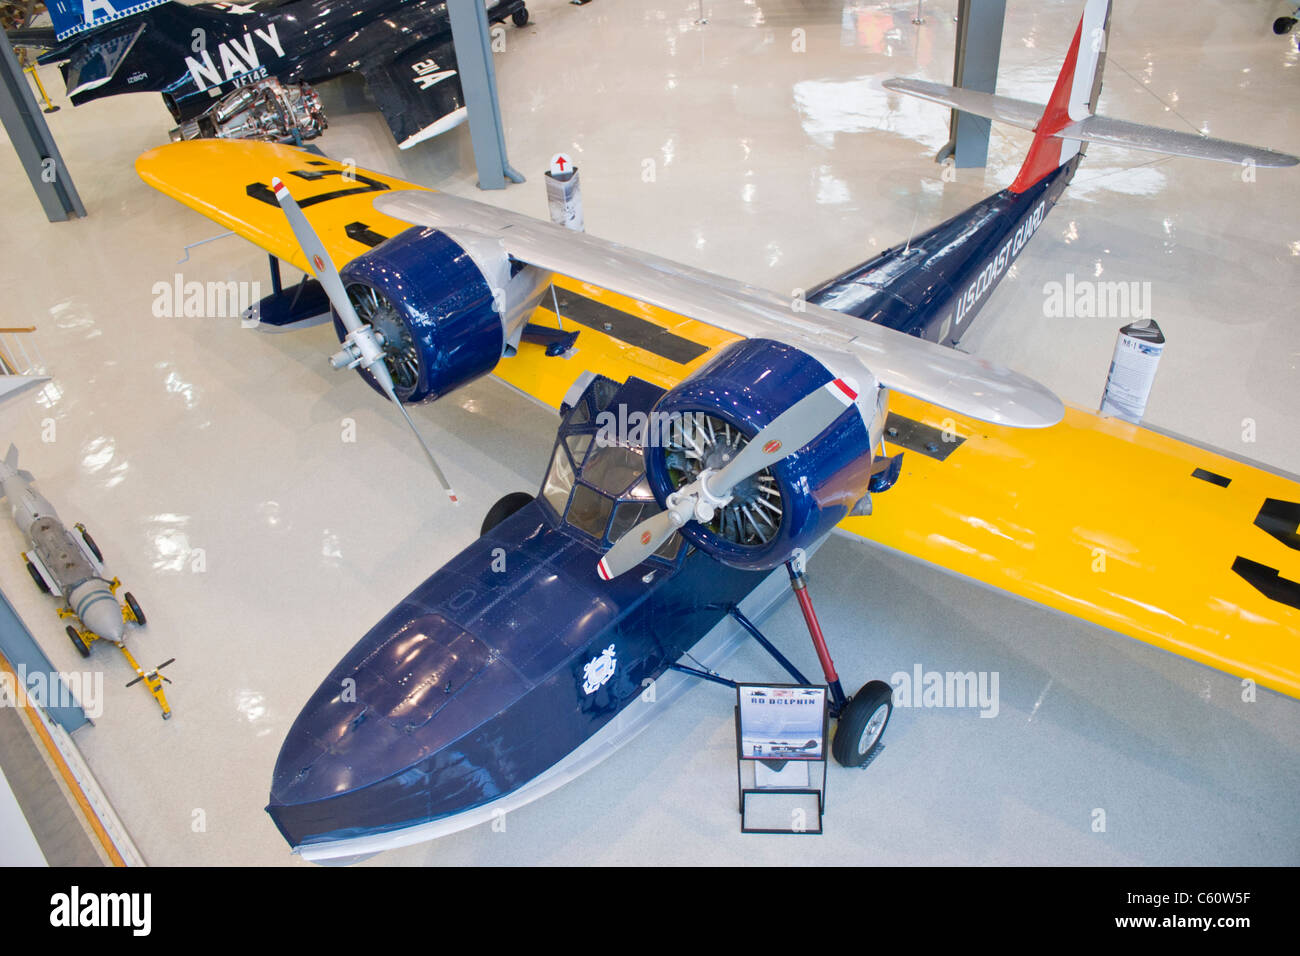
(520, 17)
(862, 723)
(90, 543)
(77, 642)
(134, 607)
(36, 576)
(503, 509)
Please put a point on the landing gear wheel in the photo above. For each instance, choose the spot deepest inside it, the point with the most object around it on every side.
(90, 543)
(520, 17)
(503, 509)
(36, 576)
(862, 723)
(77, 642)
(134, 606)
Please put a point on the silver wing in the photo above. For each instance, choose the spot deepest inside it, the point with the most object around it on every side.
(941, 376)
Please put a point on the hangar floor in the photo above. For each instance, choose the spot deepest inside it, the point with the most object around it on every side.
(207, 459)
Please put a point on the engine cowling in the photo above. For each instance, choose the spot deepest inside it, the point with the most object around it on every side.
(447, 308)
(711, 415)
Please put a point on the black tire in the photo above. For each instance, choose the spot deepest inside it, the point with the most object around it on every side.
(77, 642)
(36, 576)
(1282, 25)
(134, 605)
(503, 509)
(861, 725)
(90, 543)
(520, 17)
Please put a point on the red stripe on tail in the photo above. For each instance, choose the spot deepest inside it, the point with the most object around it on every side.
(1045, 152)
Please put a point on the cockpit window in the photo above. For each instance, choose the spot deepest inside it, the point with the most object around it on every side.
(668, 550)
(612, 468)
(589, 511)
(629, 513)
(581, 413)
(578, 445)
(627, 516)
(641, 491)
(559, 481)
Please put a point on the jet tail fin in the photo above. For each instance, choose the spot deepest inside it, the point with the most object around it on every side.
(71, 17)
(1068, 120)
(11, 457)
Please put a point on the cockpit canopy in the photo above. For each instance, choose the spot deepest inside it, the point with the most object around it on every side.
(596, 480)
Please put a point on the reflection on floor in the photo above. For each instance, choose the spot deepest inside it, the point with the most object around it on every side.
(212, 463)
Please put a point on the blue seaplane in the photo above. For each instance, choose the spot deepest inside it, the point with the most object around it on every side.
(520, 663)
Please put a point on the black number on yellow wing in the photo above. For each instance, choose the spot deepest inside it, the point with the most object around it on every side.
(1281, 519)
(364, 184)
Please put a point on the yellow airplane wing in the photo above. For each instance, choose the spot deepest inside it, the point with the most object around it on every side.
(1155, 538)
(229, 182)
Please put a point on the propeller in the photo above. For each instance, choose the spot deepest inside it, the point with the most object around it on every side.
(784, 435)
(362, 346)
(156, 672)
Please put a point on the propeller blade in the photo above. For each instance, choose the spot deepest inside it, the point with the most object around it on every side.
(642, 541)
(784, 435)
(368, 351)
(442, 479)
(787, 433)
(322, 264)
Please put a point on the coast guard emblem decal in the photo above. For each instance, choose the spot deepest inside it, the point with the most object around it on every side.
(597, 671)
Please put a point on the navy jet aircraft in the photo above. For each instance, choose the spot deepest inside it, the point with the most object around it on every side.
(245, 70)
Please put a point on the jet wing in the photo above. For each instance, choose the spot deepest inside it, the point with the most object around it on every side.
(419, 93)
(1146, 535)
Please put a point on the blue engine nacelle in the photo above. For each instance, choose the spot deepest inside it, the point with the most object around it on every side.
(446, 314)
(711, 415)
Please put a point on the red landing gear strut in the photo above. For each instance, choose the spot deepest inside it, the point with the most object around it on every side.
(860, 719)
(799, 584)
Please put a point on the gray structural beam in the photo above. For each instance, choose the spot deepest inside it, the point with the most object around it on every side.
(975, 67)
(473, 40)
(32, 141)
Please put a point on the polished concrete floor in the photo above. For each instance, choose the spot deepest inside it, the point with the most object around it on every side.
(209, 460)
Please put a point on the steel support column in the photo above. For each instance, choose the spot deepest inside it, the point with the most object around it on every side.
(473, 40)
(975, 67)
(32, 141)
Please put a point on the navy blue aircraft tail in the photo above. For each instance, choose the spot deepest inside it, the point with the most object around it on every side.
(246, 70)
(933, 286)
(71, 17)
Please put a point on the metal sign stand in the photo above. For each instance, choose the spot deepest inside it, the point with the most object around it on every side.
(782, 782)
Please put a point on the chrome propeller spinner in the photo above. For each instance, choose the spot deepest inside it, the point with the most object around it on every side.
(700, 442)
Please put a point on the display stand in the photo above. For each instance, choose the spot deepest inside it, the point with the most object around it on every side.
(781, 736)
